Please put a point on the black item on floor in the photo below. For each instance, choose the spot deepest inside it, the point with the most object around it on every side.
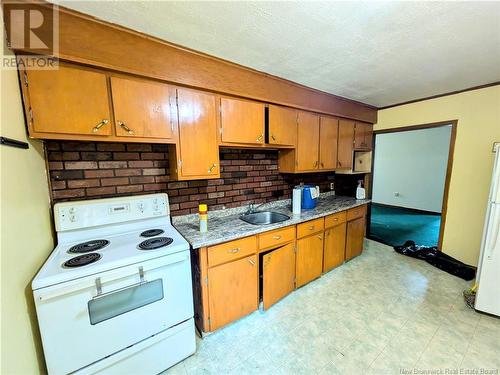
(438, 259)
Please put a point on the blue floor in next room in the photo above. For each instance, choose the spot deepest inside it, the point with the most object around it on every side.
(395, 225)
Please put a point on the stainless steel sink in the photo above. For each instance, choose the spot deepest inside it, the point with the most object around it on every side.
(264, 217)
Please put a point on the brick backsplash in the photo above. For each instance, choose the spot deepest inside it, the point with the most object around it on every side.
(86, 170)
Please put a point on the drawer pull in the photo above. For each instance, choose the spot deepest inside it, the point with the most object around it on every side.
(335, 219)
(260, 138)
(311, 227)
(277, 237)
(125, 127)
(273, 137)
(233, 251)
(99, 125)
(251, 261)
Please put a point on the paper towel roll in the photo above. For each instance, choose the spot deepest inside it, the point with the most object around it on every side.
(296, 201)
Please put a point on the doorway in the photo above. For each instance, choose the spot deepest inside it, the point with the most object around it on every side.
(411, 173)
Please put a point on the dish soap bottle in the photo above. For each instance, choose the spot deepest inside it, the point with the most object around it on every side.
(360, 191)
(202, 211)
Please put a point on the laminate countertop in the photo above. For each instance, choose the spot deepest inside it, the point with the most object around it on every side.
(226, 225)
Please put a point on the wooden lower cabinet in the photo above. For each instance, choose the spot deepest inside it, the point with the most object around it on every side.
(334, 248)
(278, 274)
(309, 258)
(233, 291)
(355, 237)
(226, 276)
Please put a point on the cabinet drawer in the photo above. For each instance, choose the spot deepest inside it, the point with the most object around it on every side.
(232, 250)
(310, 227)
(276, 237)
(335, 219)
(357, 212)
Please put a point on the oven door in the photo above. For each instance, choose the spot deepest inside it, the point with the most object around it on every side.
(85, 320)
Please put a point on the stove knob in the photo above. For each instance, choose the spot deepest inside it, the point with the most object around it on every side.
(72, 210)
(72, 218)
(140, 206)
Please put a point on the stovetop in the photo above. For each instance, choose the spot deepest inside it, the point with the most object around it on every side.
(77, 256)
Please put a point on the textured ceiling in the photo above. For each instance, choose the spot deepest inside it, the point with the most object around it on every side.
(378, 53)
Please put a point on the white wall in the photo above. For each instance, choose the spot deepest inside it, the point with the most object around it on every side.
(412, 163)
(25, 234)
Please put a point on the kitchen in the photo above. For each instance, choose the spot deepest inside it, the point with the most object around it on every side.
(162, 136)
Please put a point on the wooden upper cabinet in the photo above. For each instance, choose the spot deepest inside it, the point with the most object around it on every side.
(328, 139)
(68, 101)
(363, 135)
(198, 150)
(242, 121)
(282, 126)
(278, 274)
(345, 144)
(143, 109)
(307, 142)
(233, 291)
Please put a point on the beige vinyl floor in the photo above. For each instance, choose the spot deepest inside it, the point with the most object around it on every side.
(381, 313)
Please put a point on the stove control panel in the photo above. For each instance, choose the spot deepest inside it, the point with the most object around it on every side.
(90, 213)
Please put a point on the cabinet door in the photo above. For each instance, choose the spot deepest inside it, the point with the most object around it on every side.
(198, 146)
(69, 101)
(334, 250)
(368, 135)
(307, 142)
(345, 144)
(309, 261)
(328, 139)
(232, 291)
(282, 126)
(142, 109)
(363, 135)
(278, 274)
(355, 237)
(242, 121)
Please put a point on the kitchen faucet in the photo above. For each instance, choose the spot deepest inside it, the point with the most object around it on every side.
(252, 208)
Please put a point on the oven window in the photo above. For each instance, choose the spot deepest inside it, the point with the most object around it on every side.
(116, 303)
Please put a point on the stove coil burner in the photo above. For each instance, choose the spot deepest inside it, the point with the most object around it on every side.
(155, 243)
(82, 260)
(152, 232)
(87, 247)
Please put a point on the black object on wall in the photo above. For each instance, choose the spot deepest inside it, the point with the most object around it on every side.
(13, 143)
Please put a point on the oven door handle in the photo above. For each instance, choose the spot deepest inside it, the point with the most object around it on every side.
(55, 291)
(100, 294)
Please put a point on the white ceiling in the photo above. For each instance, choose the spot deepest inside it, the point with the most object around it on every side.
(378, 53)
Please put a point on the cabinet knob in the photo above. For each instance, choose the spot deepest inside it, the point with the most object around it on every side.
(212, 168)
(320, 237)
(125, 127)
(99, 125)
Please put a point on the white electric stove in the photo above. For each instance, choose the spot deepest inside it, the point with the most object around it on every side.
(115, 295)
